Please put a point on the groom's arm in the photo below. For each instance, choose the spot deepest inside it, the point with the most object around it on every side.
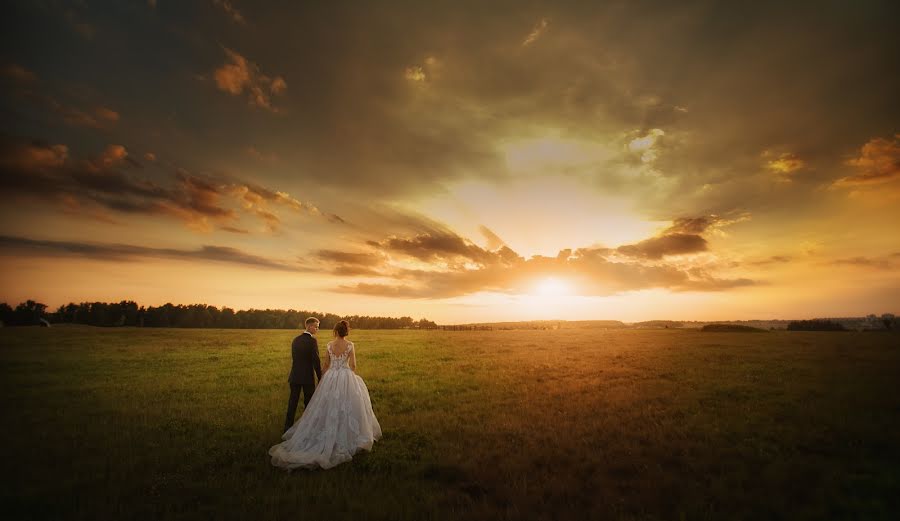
(296, 350)
(317, 367)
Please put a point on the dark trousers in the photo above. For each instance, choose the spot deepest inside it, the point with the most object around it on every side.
(308, 390)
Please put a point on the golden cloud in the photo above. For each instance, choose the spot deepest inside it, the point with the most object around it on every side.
(537, 32)
(878, 162)
(242, 75)
(645, 144)
(785, 164)
(414, 74)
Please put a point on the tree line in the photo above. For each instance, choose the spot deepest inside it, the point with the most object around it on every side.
(129, 313)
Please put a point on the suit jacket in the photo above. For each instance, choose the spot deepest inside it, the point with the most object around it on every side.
(305, 355)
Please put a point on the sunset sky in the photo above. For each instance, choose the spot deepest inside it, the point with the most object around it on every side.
(460, 161)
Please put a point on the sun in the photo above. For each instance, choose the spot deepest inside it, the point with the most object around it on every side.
(552, 287)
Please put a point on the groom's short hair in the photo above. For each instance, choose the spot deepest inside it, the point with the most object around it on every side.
(311, 320)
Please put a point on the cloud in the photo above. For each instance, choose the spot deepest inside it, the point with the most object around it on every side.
(253, 152)
(683, 237)
(230, 10)
(438, 246)
(33, 156)
(669, 244)
(108, 182)
(645, 145)
(588, 271)
(97, 118)
(878, 162)
(113, 155)
(886, 262)
(785, 164)
(537, 32)
(448, 265)
(234, 229)
(774, 259)
(240, 75)
(493, 241)
(124, 252)
(342, 257)
(705, 223)
(84, 29)
(414, 74)
(26, 85)
(18, 74)
(257, 199)
(350, 264)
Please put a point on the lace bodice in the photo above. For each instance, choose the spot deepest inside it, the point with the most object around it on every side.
(339, 361)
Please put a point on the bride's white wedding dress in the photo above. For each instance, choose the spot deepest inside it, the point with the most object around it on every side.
(337, 423)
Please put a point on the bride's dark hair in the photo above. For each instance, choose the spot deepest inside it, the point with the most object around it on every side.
(342, 328)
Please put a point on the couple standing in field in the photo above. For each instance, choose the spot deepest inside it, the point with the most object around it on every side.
(337, 419)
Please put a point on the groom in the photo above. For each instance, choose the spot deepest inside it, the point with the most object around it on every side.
(305, 354)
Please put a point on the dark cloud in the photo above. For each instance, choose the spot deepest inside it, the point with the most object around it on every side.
(124, 252)
(877, 263)
(342, 257)
(18, 74)
(691, 225)
(775, 259)
(394, 98)
(670, 244)
(429, 247)
(42, 171)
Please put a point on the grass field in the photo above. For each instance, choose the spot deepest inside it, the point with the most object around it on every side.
(569, 424)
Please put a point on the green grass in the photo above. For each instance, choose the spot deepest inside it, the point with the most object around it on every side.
(568, 424)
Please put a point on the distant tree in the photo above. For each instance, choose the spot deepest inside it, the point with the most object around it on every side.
(28, 313)
(815, 325)
(128, 313)
(888, 320)
(6, 314)
(426, 324)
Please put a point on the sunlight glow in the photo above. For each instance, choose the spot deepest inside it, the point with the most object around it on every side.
(552, 152)
(552, 286)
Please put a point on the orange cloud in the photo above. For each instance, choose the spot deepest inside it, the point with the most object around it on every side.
(447, 265)
(113, 154)
(35, 156)
(878, 162)
(230, 10)
(242, 75)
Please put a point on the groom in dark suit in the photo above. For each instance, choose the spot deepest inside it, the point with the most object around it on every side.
(305, 354)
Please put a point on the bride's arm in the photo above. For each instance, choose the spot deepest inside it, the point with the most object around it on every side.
(352, 360)
(326, 363)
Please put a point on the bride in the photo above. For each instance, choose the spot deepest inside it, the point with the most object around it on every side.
(338, 420)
